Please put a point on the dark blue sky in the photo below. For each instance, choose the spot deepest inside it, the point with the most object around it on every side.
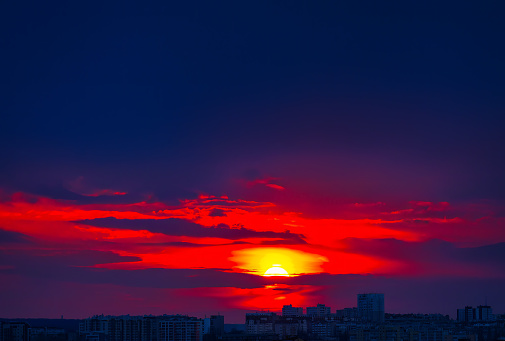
(180, 85)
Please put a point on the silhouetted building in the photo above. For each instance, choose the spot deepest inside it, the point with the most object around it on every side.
(371, 307)
(466, 314)
(47, 334)
(260, 323)
(141, 328)
(150, 328)
(323, 329)
(289, 310)
(347, 314)
(483, 313)
(290, 326)
(318, 311)
(214, 325)
(469, 314)
(249, 337)
(180, 329)
(14, 331)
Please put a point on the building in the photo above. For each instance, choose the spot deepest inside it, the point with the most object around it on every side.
(150, 328)
(289, 310)
(291, 326)
(260, 323)
(214, 325)
(94, 325)
(484, 313)
(469, 314)
(46, 334)
(466, 314)
(141, 328)
(181, 329)
(323, 329)
(347, 314)
(318, 311)
(371, 307)
(14, 331)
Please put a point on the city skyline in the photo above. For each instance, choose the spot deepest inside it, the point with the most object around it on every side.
(366, 322)
(196, 158)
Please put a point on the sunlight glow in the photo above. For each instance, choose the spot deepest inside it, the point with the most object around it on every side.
(276, 270)
(266, 261)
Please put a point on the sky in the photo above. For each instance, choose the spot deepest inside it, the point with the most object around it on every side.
(159, 158)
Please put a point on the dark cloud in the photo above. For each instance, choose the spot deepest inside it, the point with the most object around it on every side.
(181, 227)
(216, 212)
(8, 237)
(434, 257)
(187, 244)
(463, 230)
(39, 261)
(294, 241)
(75, 266)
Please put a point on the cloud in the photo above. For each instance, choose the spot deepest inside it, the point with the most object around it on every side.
(433, 257)
(182, 227)
(34, 260)
(8, 237)
(295, 262)
(216, 212)
(76, 266)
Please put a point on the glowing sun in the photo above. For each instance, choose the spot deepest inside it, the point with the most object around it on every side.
(276, 270)
(277, 261)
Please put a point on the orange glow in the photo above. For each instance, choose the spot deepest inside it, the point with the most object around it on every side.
(273, 297)
(276, 271)
(259, 261)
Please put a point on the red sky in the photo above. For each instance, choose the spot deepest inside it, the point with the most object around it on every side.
(208, 254)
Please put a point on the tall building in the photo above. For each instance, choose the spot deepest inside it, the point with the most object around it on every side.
(318, 311)
(469, 314)
(483, 313)
(289, 310)
(466, 314)
(371, 307)
(150, 328)
(214, 325)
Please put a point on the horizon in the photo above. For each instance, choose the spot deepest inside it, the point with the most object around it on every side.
(243, 313)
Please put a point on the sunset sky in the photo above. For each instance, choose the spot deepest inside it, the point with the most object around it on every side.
(160, 158)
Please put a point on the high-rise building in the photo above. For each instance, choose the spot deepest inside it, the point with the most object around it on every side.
(466, 315)
(318, 311)
(214, 325)
(483, 313)
(469, 314)
(289, 310)
(371, 307)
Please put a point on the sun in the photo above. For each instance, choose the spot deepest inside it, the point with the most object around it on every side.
(277, 261)
(276, 271)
